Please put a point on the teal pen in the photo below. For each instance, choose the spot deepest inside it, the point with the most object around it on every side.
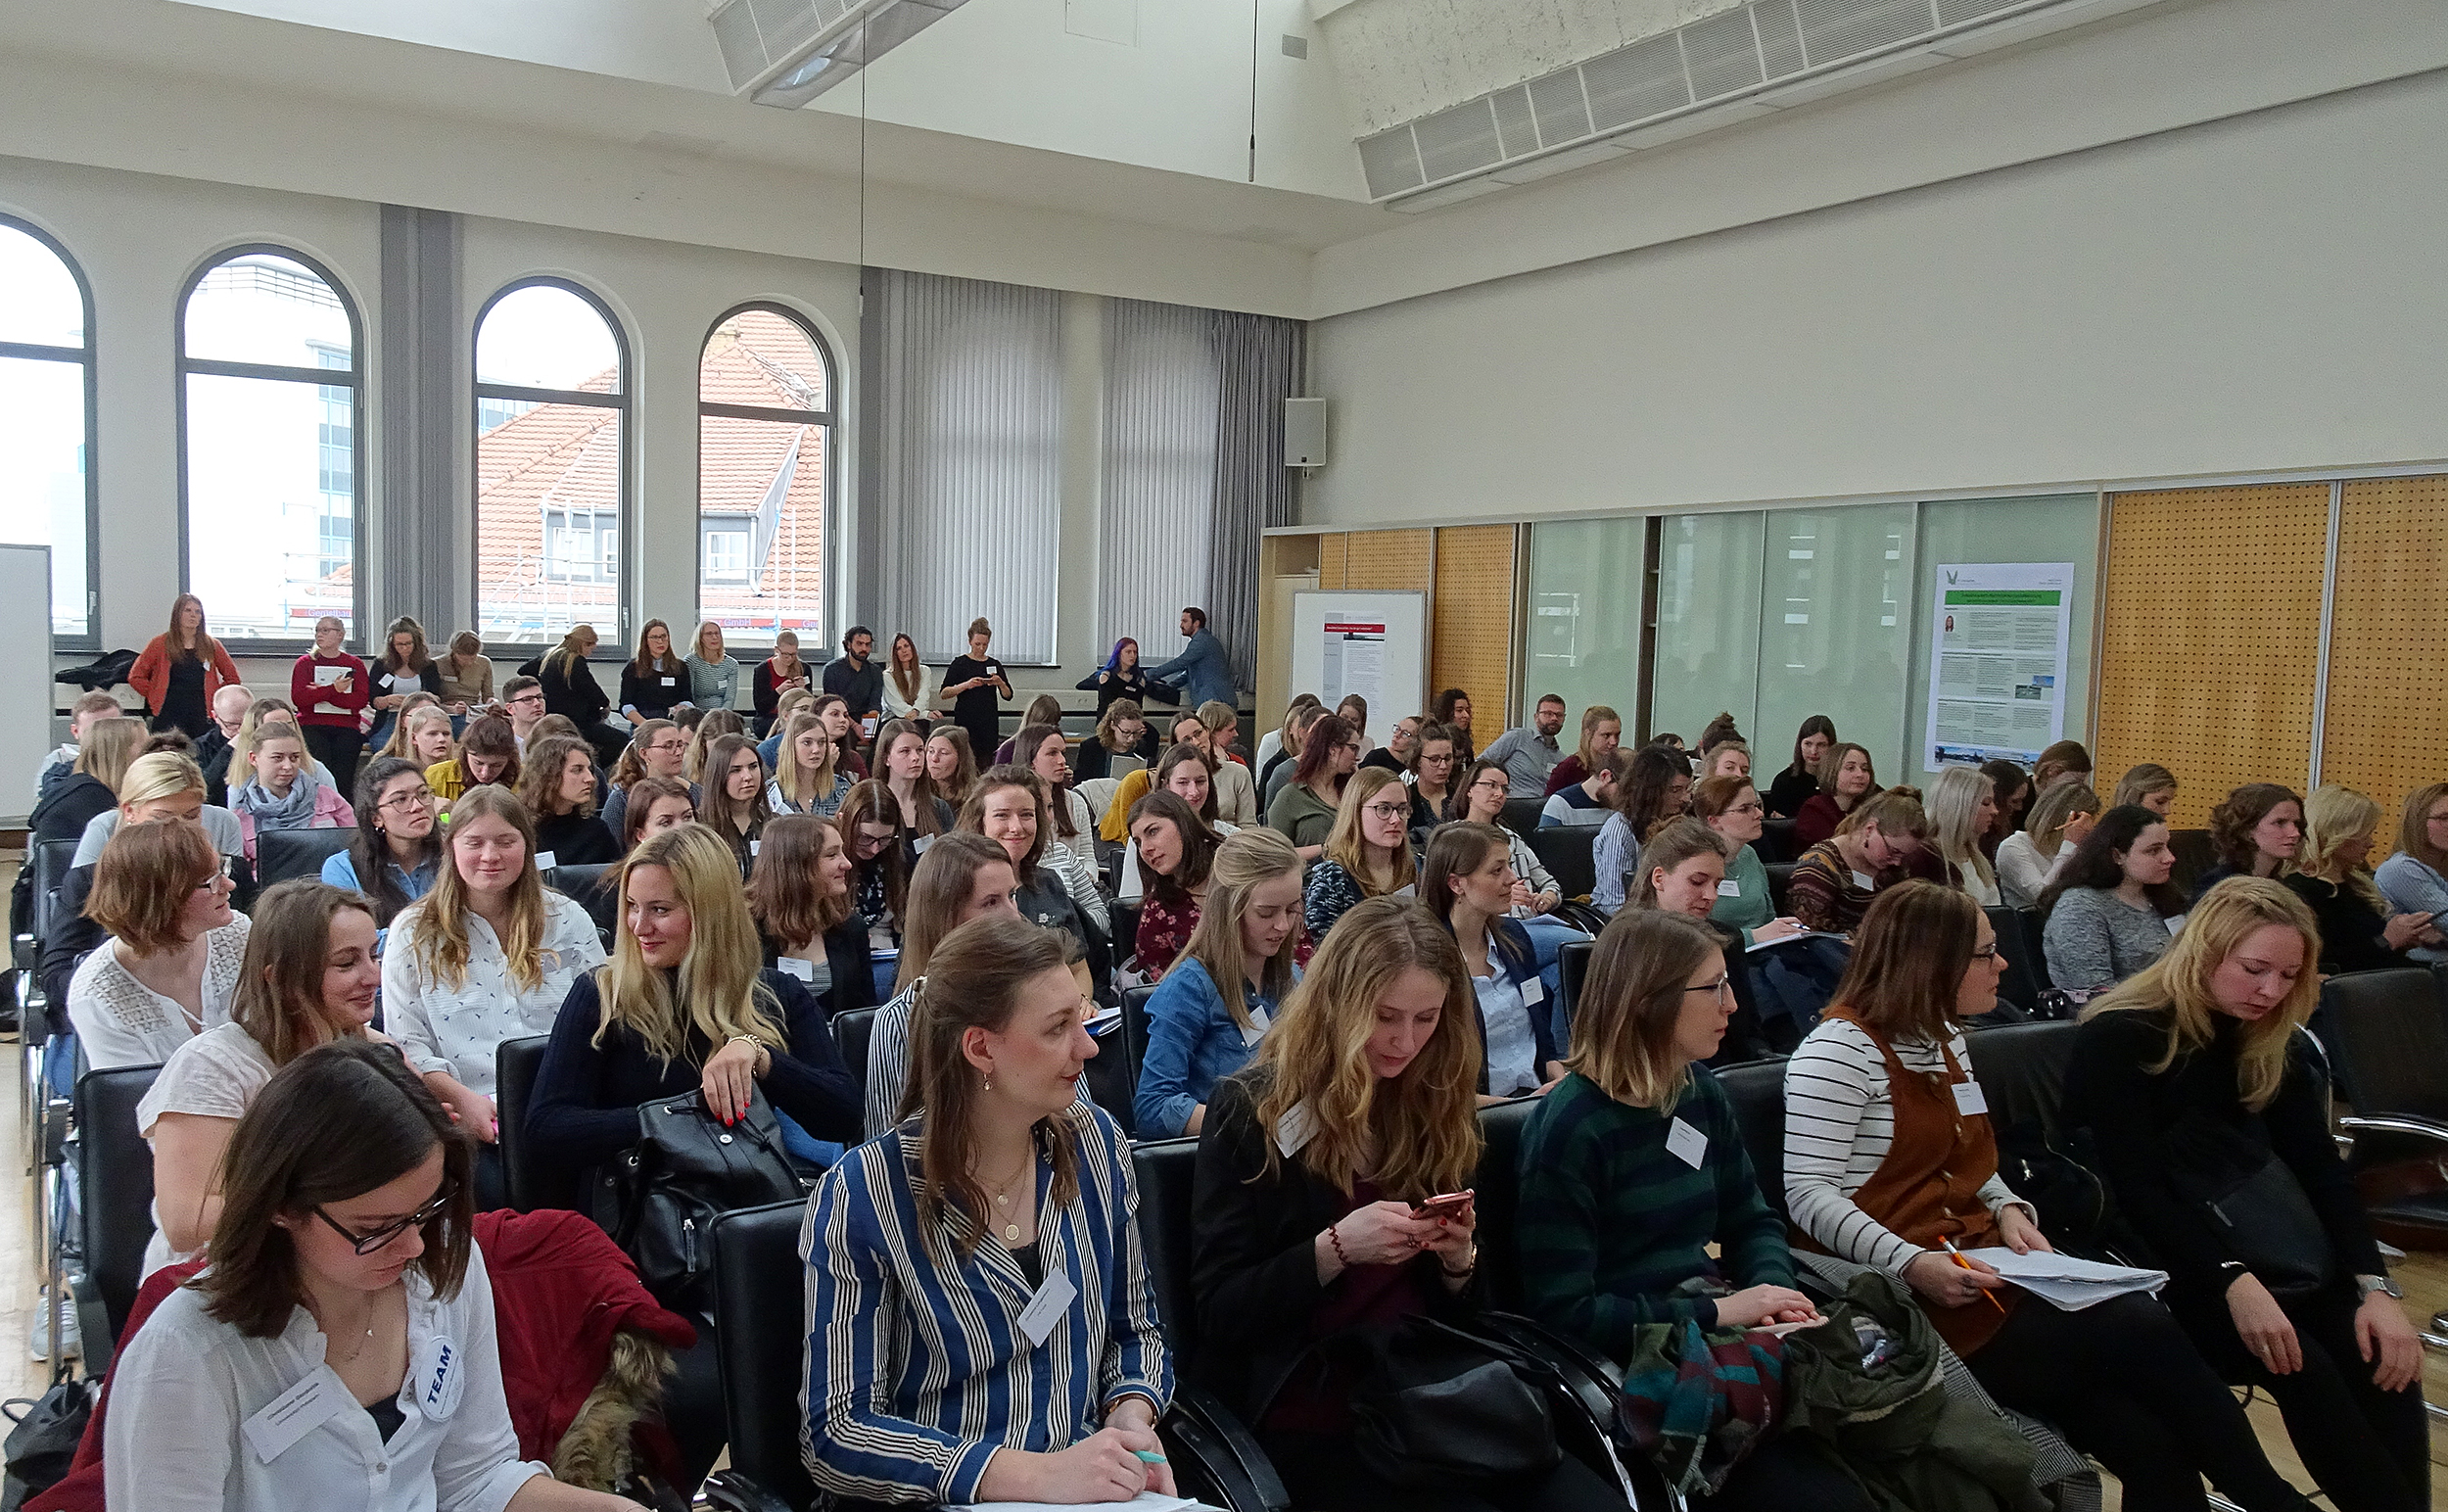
(1150, 1455)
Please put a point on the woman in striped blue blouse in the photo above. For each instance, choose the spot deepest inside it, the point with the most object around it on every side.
(986, 1254)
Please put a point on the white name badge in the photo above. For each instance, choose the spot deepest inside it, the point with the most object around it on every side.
(1046, 1308)
(1864, 880)
(1729, 888)
(792, 965)
(1406, 890)
(545, 861)
(296, 1413)
(1686, 1143)
(1970, 1099)
(1533, 991)
(439, 1378)
(2176, 924)
(1257, 1028)
(921, 842)
(754, 846)
(391, 680)
(1292, 1130)
(671, 682)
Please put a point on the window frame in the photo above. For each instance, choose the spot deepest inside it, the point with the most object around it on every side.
(88, 357)
(621, 401)
(352, 377)
(828, 419)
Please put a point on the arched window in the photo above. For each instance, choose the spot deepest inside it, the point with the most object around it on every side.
(46, 419)
(763, 427)
(552, 468)
(271, 419)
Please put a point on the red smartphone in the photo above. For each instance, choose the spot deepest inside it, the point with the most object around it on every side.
(1448, 1205)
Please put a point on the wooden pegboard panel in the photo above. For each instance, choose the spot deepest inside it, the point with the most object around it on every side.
(1387, 560)
(1331, 559)
(2211, 637)
(1471, 639)
(2385, 729)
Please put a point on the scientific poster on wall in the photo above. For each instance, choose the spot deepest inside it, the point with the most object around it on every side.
(1999, 633)
(1372, 644)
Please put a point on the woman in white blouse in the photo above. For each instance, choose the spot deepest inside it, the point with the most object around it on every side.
(1961, 803)
(486, 956)
(2028, 860)
(170, 967)
(908, 684)
(311, 976)
(341, 1350)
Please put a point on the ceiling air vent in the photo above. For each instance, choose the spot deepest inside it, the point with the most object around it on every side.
(1723, 54)
(1845, 29)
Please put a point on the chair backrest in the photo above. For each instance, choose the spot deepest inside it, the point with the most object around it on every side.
(2388, 1041)
(2021, 1069)
(1113, 1074)
(1572, 970)
(2029, 920)
(1757, 1093)
(49, 861)
(115, 1179)
(283, 854)
(1777, 842)
(1520, 815)
(1167, 1169)
(762, 1359)
(1567, 851)
(2015, 948)
(1780, 886)
(533, 1183)
(2194, 855)
(595, 888)
(852, 1029)
(1499, 1201)
(1099, 793)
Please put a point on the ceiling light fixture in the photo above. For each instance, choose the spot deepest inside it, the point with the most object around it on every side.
(784, 53)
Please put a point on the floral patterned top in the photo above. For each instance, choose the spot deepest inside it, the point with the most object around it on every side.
(1163, 931)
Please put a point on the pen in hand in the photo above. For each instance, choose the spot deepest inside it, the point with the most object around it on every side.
(1957, 1256)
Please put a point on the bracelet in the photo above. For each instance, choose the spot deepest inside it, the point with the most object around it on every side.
(1335, 1240)
(1465, 1270)
(745, 1039)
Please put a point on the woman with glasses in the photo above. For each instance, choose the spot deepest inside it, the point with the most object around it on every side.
(486, 957)
(1891, 1162)
(1467, 882)
(170, 967)
(397, 845)
(1482, 800)
(1368, 854)
(659, 749)
(341, 1350)
(1733, 809)
(1304, 812)
(1434, 762)
(311, 976)
(1115, 750)
(1835, 879)
(881, 854)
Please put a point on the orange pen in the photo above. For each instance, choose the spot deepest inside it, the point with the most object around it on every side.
(1967, 1265)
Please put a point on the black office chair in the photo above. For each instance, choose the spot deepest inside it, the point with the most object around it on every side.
(2194, 855)
(2021, 1069)
(47, 862)
(1113, 1071)
(1500, 1199)
(1520, 815)
(594, 887)
(1757, 1093)
(1572, 970)
(2388, 1046)
(1567, 851)
(763, 1366)
(1777, 842)
(281, 854)
(115, 1196)
(852, 1029)
(533, 1182)
(1780, 886)
(2019, 987)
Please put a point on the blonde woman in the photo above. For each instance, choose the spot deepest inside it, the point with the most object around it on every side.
(280, 791)
(487, 956)
(2029, 859)
(1366, 855)
(425, 736)
(713, 677)
(681, 1007)
(92, 784)
(2415, 880)
(2148, 785)
(2332, 873)
(466, 674)
(712, 727)
(1961, 804)
(807, 776)
(2192, 1076)
(394, 727)
(1218, 999)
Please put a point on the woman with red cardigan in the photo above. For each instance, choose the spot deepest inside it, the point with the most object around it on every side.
(181, 670)
(331, 689)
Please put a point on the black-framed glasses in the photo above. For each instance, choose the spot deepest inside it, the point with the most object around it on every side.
(1388, 810)
(1989, 952)
(368, 1243)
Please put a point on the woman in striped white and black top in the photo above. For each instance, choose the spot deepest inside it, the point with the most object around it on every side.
(985, 1255)
(1891, 1163)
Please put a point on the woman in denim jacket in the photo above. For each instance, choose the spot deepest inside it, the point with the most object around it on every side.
(1248, 933)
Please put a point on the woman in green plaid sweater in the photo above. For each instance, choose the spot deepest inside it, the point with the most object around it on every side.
(1633, 1166)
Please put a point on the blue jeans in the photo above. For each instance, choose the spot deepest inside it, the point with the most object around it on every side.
(804, 1147)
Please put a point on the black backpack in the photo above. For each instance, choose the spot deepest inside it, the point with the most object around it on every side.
(661, 1197)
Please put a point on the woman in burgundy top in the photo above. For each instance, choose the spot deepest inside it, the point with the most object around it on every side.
(1175, 851)
(1845, 775)
(331, 689)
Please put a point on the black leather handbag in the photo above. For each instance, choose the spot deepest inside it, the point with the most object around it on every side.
(2269, 1224)
(1435, 1406)
(658, 1200)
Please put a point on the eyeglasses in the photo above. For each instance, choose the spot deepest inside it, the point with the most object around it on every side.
(668, 745)
(368, 1243)
(1752, 807)
(1385, 810)
(1989, 952)
(404, 802)
(525, 699)
(1716, 990)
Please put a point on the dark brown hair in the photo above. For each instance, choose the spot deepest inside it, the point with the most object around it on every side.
(639, 806)
(1910, 954)
(539, 783)
(783, 894)
(1327, 734)
(279, 1000)
(1197, 845)
(492, 738)
(1640, 797)
(2063, 759)
(2234, 819)
(1816, 724)
(1026, 746)
(335, 1123)
(1176, 755)
(973, 815)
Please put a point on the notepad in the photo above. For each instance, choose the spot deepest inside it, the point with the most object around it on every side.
(2068, 1283)
(1788, 939)
(1145, 1501)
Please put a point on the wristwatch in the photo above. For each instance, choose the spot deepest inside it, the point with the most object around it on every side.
(2365, 1285)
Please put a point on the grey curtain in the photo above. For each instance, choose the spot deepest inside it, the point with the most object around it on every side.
(966, 404)
(1160, 435)
(1258, 362)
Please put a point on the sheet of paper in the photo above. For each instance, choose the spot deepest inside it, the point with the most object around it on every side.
(1145, 1501)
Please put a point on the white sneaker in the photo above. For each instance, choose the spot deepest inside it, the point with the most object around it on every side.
(71, 1345)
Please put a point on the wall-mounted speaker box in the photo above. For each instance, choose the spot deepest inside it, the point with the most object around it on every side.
(1305, 433)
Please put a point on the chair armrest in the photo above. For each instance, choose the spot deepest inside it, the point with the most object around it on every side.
(93, 1325)
(733, 1491)
(1223, 1446)
(2394, 1123)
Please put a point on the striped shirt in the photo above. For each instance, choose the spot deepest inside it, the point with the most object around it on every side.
(1839, 1119)
(1611, 1222)
(917, 1370)
(888, 1062)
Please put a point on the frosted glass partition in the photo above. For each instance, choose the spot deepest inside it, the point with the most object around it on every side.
(1708, 657)
(1836, 629)
(1583, 636)
(2061, 528)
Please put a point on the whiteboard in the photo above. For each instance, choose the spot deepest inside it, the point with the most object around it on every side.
(1373, 645)
(24, 681)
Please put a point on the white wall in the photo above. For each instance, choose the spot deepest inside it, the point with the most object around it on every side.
(2256, 293)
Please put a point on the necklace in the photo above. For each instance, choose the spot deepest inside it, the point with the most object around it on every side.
(351, 1357)
(1003, 1198)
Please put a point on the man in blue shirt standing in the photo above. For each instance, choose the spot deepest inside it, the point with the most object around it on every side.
(1203, 665)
